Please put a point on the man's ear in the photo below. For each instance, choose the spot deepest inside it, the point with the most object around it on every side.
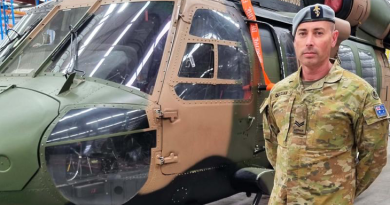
(335, 36)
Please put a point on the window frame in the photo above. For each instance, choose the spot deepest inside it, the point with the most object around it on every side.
(92, 7)
(191, 39)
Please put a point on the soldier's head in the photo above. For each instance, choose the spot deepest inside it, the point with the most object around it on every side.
(314, 35)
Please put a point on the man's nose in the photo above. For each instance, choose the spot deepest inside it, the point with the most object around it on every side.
(309, 40)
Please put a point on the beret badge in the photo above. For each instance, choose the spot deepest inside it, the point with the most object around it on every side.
(317, 10)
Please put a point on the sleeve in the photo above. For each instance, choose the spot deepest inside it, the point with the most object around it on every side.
(269, 133)
(371, 139)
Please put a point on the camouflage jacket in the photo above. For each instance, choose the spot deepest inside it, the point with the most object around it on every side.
(327, 142)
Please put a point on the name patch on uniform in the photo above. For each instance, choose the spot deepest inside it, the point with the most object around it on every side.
(281, 93)
(380, 111)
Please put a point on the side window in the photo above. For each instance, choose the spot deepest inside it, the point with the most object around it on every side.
(271, 54)
(211, 24)
(233, 64)
(282, 47)
(198, 61)
(287, 43)
(368, 67)
(346, 58)
(232, 59)
(192, 91)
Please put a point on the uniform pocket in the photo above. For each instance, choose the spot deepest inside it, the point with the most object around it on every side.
(281, 108)
(266, 125)
(330, 126)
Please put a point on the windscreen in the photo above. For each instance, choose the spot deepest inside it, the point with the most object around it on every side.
(25, 25)
(122, 43)
(43, 44)
(19, 29)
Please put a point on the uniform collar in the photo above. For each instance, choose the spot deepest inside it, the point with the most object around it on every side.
(334, 75)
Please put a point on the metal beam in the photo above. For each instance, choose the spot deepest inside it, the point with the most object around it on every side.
(33, 2)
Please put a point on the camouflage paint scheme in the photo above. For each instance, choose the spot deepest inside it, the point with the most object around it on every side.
(313, 135)
(209, 151)
(211, 139)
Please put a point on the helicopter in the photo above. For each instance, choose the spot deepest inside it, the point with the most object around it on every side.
(156, 102)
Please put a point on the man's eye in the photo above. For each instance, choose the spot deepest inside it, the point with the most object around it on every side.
(301, 34)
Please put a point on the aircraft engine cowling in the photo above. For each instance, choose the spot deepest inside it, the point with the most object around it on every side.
(354, 11)
(373, 17)
(378, 22)
(344, 30)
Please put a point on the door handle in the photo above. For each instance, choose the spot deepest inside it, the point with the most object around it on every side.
(172, 158)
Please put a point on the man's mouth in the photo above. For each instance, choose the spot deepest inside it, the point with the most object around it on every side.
(309, 54)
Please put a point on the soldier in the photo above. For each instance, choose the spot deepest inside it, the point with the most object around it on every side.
(325, 128)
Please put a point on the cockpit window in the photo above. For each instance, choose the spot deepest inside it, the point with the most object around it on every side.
(232, 60)
(211, 24)
(286, 42)
(19, 29)
(233, 63)
(198, 61)
(123, 43)
(193, 91)
(34, 54)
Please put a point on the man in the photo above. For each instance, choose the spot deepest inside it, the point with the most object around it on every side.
(325, 128)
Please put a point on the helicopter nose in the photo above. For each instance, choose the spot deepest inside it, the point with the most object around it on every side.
(25, 114)
(99, 155)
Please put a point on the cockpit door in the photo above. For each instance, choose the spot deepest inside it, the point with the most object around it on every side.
(209, 100)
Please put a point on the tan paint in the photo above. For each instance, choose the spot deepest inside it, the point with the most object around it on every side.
(156, 179)
(379, 43)
(44, 21)
(167, 53)
(184, 133)
(203, 128)
(80, 3)
(344, 31)
(359, 12)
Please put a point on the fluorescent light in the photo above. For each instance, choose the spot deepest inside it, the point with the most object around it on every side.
(82, 112)
(140, 12)
(97, 67)
(123, 7)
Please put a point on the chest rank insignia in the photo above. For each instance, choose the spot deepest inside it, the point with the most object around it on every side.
(299, 126)
(380, 111)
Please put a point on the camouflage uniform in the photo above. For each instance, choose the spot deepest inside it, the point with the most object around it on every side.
(313, 135)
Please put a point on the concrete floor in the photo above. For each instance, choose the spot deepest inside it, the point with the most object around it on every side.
(377, 194)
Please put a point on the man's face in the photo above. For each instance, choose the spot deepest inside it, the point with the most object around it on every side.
(314, 41)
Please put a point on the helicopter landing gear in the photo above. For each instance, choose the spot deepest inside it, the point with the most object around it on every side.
(257, 199)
